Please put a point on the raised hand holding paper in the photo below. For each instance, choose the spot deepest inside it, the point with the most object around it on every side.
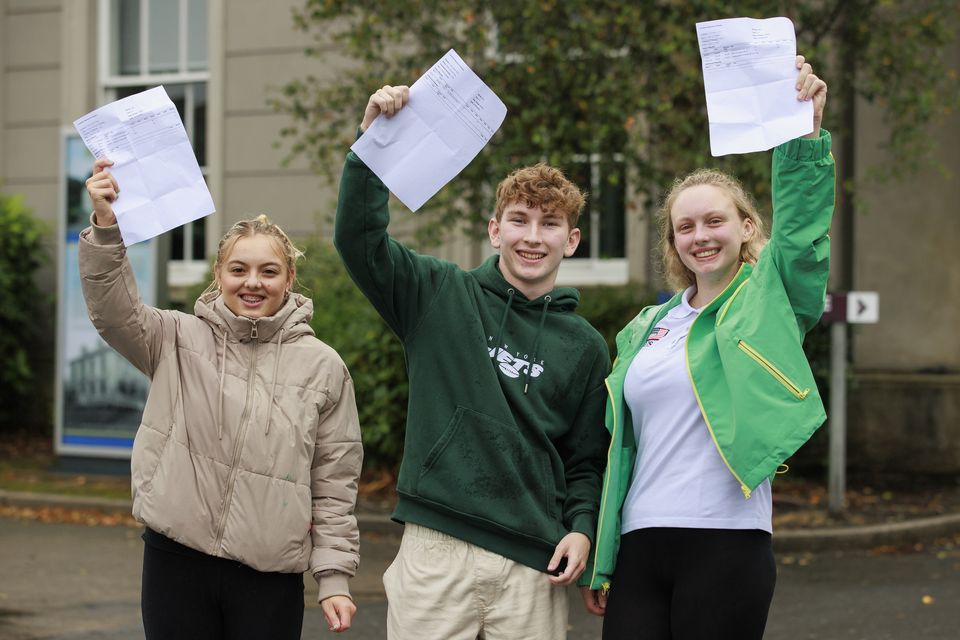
(153, 161)
(450, 117)
(750, 74)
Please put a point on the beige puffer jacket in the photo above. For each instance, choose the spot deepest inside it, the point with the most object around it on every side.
(249, 445)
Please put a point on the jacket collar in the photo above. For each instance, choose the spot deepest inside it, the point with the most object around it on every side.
(293, 317)
(638, 328)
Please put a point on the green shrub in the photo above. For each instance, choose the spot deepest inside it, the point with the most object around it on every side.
(22, 252)
(610, 308)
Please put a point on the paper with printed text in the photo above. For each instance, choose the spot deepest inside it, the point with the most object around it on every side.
(750, 75)
(450, 117)
(161, 186)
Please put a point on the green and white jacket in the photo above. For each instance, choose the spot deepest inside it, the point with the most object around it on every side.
(744, 351)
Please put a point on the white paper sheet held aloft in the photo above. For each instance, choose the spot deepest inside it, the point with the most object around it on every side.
(750, 76)
(450, 117)
(161, 186)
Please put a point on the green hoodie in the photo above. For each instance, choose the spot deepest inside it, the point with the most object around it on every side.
(504, 447)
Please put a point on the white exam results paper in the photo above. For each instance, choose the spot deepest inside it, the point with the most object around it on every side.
(161, 186)
(450, 117)
(750, 76)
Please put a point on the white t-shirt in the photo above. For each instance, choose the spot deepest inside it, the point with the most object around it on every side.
(679, 479)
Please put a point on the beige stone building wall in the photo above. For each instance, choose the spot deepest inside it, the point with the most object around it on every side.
(904, 403)
(906, 240)
(32, 68)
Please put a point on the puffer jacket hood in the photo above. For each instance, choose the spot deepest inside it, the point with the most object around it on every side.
(292, 318)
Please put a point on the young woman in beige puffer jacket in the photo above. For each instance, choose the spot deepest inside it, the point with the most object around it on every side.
(245, 465)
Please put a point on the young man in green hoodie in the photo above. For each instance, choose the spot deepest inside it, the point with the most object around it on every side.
(504, 450)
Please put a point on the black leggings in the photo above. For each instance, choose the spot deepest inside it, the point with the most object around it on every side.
(691, 584)
(187, 594)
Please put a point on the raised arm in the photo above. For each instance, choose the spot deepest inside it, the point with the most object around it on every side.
(132, 328)
(397, 281)
(803, 190)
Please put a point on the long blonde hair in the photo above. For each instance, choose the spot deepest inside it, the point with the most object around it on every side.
(248, 228)
(677, 274)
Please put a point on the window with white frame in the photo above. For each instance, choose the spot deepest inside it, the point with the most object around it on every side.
(153, 42)
(601, 255)
(602, 224)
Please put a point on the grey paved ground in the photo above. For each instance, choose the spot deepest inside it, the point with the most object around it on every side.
(79, 583)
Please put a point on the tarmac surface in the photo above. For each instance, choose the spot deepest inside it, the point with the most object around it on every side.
(892, 582)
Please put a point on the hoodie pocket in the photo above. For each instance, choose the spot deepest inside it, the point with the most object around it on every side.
(493, 473)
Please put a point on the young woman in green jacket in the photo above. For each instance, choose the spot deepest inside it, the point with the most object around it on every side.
(710, 393)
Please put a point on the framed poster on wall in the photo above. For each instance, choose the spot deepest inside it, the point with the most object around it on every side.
(100, 396)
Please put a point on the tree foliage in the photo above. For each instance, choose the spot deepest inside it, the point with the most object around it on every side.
(22, 252)
(604, 77)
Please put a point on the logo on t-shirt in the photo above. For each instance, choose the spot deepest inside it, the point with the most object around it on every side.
(659, 333)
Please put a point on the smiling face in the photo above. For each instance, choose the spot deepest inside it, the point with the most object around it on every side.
(708, 234)
(532, 243)
(253, 277)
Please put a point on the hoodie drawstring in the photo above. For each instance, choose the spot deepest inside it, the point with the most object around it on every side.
(503, 323)
(536, 342)
(223, 368)
(273, 389)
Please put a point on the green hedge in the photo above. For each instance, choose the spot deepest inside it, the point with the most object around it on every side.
(22, 252)
(610, 308)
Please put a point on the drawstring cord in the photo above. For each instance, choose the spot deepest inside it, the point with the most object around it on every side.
(503, 323)
(223, 368)
(273, 389)
(536, 342)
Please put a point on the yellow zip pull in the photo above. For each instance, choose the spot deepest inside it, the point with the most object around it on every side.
(605, 589)
(782, 469)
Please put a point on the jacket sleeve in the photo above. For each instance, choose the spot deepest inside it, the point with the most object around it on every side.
(334, 476)
(133, 329)
(803, 186)
(584, 452)
(397, 281)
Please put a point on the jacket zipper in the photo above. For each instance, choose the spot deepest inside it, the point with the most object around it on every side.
(605, 587)
(238, 445)
(686, 356)
(772, 370)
